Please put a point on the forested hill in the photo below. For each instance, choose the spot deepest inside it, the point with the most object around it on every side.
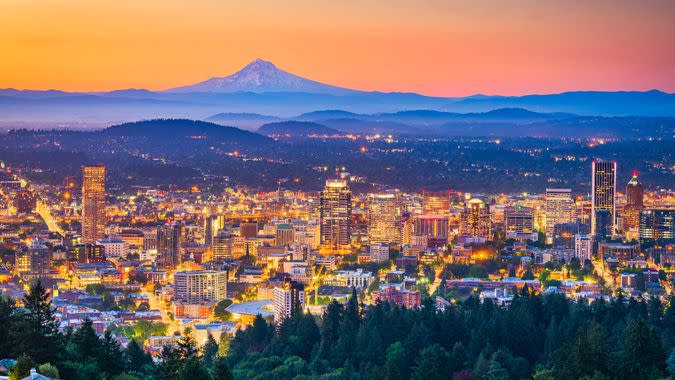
(163, 129)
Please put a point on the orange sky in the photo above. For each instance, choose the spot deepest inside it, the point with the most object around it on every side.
(437, 47)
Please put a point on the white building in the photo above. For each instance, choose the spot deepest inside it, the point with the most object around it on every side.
(289, 297)
(583, 247)
(114, 246)
(357, 279)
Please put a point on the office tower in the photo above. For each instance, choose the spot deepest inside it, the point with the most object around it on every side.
(634, 204)
(93, 203)
(657, 224)
(384, 218)
(289, 298)
(200, 287)
(583, 247)
(475, 220)
(434, 228)
(222, 246)
(170, 239)
(603, 194)
(558, 208)
(603, 224)
(336, 213)
(212, 224)
(519, 220)
(284, 234)
(435, 202)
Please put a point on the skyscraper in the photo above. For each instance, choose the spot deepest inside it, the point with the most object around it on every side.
(170, 239)
(336, 213)
(603, 193)
(435, 202)
(93, 203)
(384, 218)
(558, 209)
(475, 220)
(634, 204)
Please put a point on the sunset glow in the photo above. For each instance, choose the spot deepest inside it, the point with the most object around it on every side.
(430, 47)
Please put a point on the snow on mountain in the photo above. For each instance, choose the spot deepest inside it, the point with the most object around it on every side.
(262, 76)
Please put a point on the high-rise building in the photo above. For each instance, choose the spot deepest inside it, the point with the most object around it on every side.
(603, 225)
(519, 220)
(558, 208)
(222, 246)
(170, 239)
(212, 225)
(289, 298)
(93, 203)
(435, 202)
(634, 204)
(475, 220)
(200, 287)
(657, 224)
(384, 218)
(603, 193)
(434, 229)
(583, 247)
(336, 214)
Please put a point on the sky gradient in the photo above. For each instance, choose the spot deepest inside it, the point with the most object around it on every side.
(444, 47)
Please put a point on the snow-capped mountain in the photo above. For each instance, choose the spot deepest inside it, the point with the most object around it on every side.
(262, 76)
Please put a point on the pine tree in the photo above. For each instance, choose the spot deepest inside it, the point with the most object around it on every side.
(169, 363)
(8, 321)
(431, 364)
(135, 357)
(111, 357)
(210, 350)
(221, 370)
(38, 333)
(193, 369)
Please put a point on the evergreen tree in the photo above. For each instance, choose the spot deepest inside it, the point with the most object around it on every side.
(395, 364)
(135, 357)
(193, 369)
(642, 355)
(431, 364)
(38, 335)
(209, 351)
(221, 370)
(111, 357)
(8, 321)
(169, 363)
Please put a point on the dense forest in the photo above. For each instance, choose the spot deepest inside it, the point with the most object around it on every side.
(540, 337)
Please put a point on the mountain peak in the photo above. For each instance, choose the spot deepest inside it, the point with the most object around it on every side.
(261, 76)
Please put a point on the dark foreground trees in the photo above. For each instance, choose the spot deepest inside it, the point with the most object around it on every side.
(535, 337)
